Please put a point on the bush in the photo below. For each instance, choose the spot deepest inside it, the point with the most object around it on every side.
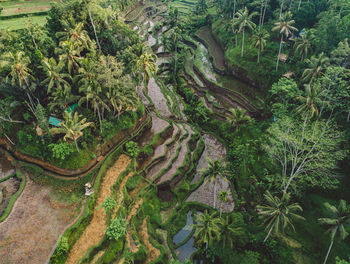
(132, 148)
(116, 229)
(61, 150)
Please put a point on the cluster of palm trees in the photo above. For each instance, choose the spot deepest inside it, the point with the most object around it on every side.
(212, 228)
(82, 74)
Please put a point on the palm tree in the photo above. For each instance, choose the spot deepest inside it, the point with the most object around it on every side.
(259, 41)
(19, 71)
(237, 116)
(278, 213)
(215, 169)
(302, 45)
(146, 65)
(310, 101)
(223, 197)
(69, 54)
(338, 222)
(72, 127)
(201, 7)
(284, 25)
(74, 33)
(207, 228)
(229, 231)
(316, 67)
(62, 98)
(55, 77)
(244, 20)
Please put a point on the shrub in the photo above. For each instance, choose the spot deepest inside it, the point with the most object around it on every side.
(132, 148)
(116, 229)
(61, 150)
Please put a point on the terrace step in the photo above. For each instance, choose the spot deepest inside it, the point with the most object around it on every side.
(172, 148)
(181, 157)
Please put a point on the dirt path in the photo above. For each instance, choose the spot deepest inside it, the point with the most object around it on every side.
(153, 253)
(95, 230)
(32, 228)
(131, 243)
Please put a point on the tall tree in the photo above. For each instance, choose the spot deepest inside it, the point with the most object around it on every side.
(69, 55)
(237, 116)
(310, 101)
(278, 213)
(338, 222)
(74, 33)
(230, 231)
(259, 41)
(146, 65)
(303, 44)
(301, 149)
(215, 169)
(55, 77)
(285, 28)
(207, 228)
(244, 22)
(72, 127)
(317, 66)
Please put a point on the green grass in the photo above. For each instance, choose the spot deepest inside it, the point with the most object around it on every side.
(24, 7)
(18, 23)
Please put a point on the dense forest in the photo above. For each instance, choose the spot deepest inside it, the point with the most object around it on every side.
(202, 131)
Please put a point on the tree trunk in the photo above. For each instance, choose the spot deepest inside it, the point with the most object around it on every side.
(268, 234)
(215, 194)
(299, 4)
(76, 144)
(281, 7)
(94, 28)
(263, 18)
(329, 250)
(259, 54)
(279, 53)
(242, 43)
(99, 119)
(260, 17)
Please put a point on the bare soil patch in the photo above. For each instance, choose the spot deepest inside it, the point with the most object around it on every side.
(95, 231)
(7, 189)
(33, 226)
(153, 253)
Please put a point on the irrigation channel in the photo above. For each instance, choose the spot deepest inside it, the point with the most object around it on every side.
(180, 154)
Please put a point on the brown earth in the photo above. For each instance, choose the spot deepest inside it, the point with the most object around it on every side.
(34, 225)
(153, 253)
(95, 231)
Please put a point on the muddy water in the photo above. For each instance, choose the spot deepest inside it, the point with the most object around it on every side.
(6, 167)
(213, 150)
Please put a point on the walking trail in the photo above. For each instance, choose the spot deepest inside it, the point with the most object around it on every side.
(95, 231)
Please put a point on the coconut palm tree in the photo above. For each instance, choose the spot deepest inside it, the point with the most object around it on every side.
(55, 77)
(237, 116)
(244, 21)
(146, 65)
(62, 98)
(284, 26)
(69, 54)
(74, 33)
(317, 66)
(310, 100)
(338, 222)
(229, 231)
(302, 45)
(72, 127)
(18, 63)
(19, 72)
(207, 228)
(278, 213)
(259, 40)
(215, 169)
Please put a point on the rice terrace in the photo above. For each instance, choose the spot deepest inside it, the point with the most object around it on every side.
(174, 131)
